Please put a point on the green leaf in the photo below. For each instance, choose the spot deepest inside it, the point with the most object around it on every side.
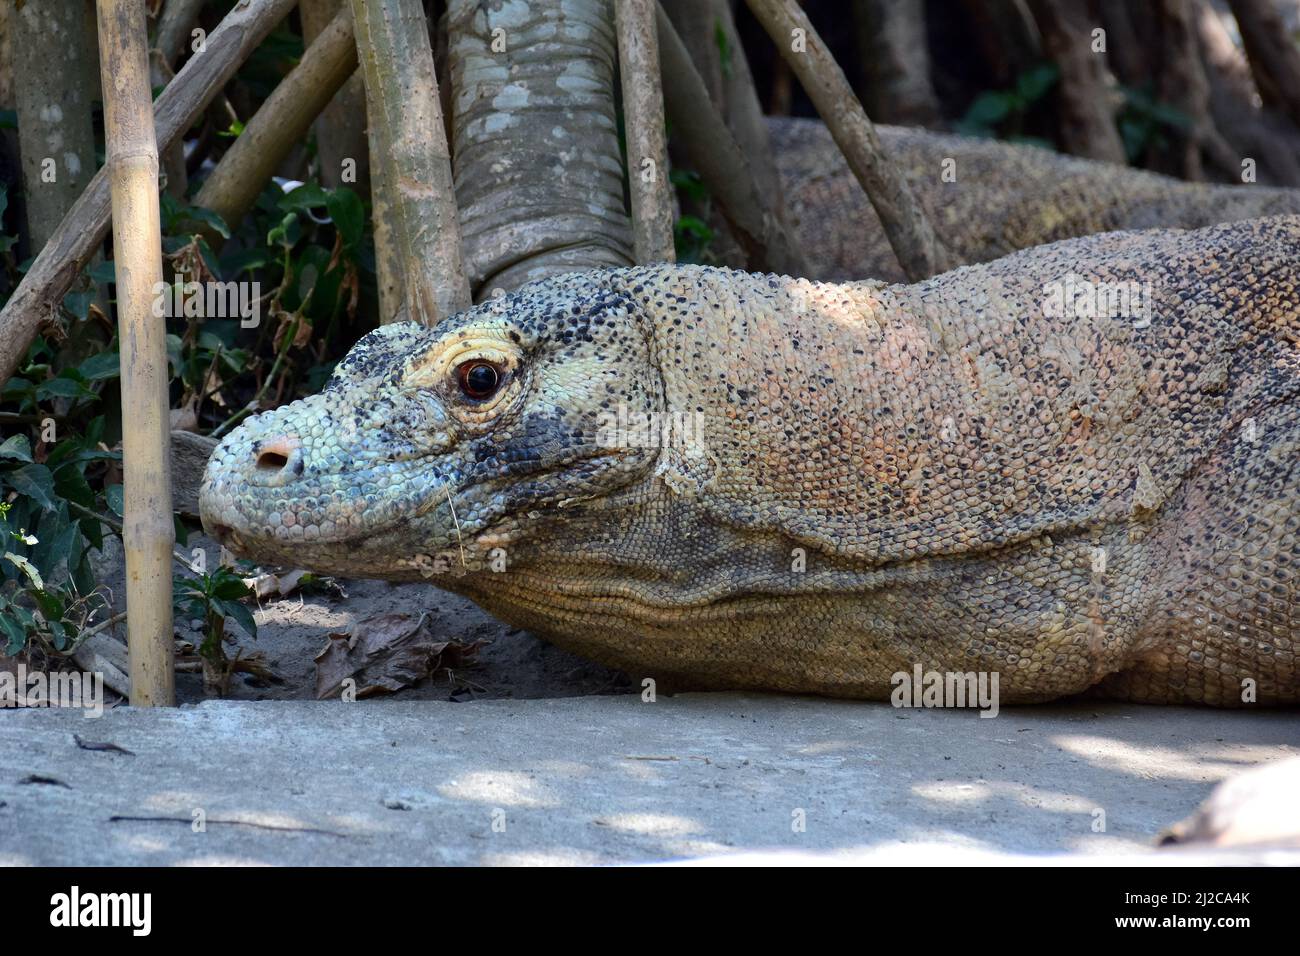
(210, 219)
(240, 614)
(306, 196)
(77, 304)
(348, 213)
(16, 448)
(1034, 84)
(287, 233)
(103, 272)
(27, 568)
(65, 386)
(988, 109)
(101, 366)
(113, 495)
(14, 633)
(36, 482)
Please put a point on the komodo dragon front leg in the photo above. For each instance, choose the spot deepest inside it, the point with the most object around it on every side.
(1075, 467)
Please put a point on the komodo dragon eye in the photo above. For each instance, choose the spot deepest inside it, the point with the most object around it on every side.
(478, 380)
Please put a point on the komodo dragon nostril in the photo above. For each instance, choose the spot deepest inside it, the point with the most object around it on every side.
(275, 455)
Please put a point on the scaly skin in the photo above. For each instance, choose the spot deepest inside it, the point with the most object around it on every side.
(970, 483)
(1006, 197)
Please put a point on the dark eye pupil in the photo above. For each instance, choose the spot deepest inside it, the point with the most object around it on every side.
(479, 381)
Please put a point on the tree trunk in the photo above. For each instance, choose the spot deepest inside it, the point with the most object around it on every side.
(647, 147)
(397, 61)
(85, 226)
(538, 176)
(1273, 54)
(341, 148)
(1007, 37)
(1086, 98)
(53, 52)
(895, 62)
(1259, 133)
(147, 533)
(1183, 85)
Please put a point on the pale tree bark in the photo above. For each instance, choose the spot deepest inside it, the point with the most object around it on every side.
(647, 145)
(281, 122)
(84, 227)
(538, 176)
(147, 533)
(341, 147)
(906, 225)
(175, 30)
(1273, 54)
(397, 62)
(53, 50)
(895, 62)
(1086, 98)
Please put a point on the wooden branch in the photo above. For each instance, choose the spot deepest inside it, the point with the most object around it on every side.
(712, 151)
(397, 63)
(906, 225)
(1087, 110)
(341, 127)
(83, 229)
(281, 122)
(647, 144)
(1273, 54)
(175, 27)
(148, 533)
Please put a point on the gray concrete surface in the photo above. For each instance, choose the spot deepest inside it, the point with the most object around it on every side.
(613, 779)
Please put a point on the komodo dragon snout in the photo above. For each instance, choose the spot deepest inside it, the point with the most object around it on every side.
(430, 450)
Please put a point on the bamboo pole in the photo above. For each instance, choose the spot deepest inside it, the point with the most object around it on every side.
(83, 229)
(147, 535)
(282, 121)
(647, 144)
(397, 63)
(906, 225)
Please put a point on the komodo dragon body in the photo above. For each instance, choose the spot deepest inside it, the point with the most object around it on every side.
(729, 480)
(997, 198)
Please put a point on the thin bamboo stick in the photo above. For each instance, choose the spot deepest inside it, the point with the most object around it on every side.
(137, 251)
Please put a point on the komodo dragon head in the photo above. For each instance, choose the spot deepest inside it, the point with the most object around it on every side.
(431, 448)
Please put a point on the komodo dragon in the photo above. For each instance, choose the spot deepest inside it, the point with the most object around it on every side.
(1005, 197)
(1076, 467)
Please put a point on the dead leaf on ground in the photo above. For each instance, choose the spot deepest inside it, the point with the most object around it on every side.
(275, 585)
(387, 652)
